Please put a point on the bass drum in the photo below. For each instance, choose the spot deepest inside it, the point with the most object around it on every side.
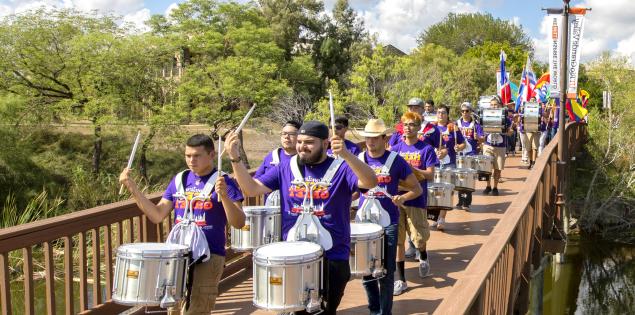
(494, 120)
(531, 117)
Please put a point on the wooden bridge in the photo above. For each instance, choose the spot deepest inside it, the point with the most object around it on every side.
(481, 264)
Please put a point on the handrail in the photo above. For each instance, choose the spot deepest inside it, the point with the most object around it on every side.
(91, 235)
(499, 273)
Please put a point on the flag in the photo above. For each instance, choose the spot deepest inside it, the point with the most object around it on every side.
(543, 88)
(584, 98)
(505, 91)
(527, 85)
(575, 110)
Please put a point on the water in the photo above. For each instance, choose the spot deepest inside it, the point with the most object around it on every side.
(597, 277)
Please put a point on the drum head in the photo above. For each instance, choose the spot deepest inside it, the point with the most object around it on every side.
(261, 210)
(153, 250)
(288, 252)
(366, 230)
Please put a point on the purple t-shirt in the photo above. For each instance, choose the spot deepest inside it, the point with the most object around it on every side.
(498, 140)
(351, 146)
(398, 171)
(430, 135)
(335, 201)
(470, 131)
(420, 156)
(210, 214)
(267, 163)
(449, 141)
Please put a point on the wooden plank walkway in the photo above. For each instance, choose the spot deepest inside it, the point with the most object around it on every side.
(449, 252)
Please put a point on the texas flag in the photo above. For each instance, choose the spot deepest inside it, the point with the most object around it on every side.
(527, 85)
(505, 92)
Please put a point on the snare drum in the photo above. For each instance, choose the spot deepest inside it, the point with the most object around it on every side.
(494, 120)
(367, 250)
(262, 226)
(465, 161)
(464, 179)
(531, 117)
(483, 164)
(288, 276)
(440, 196)
(443, 175)
(150, 274)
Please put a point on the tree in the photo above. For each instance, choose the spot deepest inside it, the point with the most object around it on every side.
(460, 32)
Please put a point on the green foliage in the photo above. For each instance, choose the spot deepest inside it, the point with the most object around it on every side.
(460, 32)
(40, 207)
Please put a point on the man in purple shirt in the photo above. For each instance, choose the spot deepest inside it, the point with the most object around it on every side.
(473, 133)
(288, 138)
(333, 201)
(341, 127)
(390, 171)
(413, 214)
(210, 214)
(496, 147)
(428, 132)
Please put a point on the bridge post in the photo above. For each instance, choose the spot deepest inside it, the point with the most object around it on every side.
(561, 214)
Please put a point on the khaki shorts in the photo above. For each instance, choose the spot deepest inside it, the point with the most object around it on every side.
(498, 154)
(413, 221)
(531, 140)
(204, 289)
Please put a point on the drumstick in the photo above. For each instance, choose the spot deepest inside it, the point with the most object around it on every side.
(132, 154)
(244, 121)
(218, 168)
(332, 110)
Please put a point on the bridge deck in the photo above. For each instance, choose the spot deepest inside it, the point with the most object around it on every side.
(449, 254)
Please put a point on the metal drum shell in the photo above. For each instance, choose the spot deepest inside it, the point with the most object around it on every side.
(143, 269)
(283, 271)
(464, 179)
(465, 161)
(531, 117)
(262, 226)
(443, 175)
(493, 120)
(440, 196)
(367, 249)
(483, 164)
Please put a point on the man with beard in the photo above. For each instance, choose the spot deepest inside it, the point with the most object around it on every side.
(333, 200)
(390, 169)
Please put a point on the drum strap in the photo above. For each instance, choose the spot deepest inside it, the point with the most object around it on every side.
(181, 178)
(275, 157)
(385, 169)
(328, 176)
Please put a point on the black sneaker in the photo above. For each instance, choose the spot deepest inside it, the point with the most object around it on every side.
(487, 190)
(495, 191)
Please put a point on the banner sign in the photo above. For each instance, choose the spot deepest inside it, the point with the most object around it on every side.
(576, 28)
(554, 53)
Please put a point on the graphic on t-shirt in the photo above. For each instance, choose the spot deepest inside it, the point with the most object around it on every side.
(199, 207)
(413, 158)
(320, 196)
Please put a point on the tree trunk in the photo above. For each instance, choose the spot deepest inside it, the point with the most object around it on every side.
(96, 147)
(143, 162)
(243, 154)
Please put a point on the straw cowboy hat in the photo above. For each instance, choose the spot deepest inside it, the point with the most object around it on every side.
(374, 128)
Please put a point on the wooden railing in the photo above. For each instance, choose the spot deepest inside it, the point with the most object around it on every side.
(76, 251)
(499, 274)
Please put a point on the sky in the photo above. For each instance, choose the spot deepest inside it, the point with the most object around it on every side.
(609, 26)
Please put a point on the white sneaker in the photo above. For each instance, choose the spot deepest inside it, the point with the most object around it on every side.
(399, 287)
(441, 224)
(424, 268)
(433, 224)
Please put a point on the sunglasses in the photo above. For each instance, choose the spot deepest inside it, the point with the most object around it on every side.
(465, 111)
(339, 127)
(411, 125)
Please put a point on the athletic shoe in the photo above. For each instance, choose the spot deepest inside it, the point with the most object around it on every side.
(399, 287)
(487, 190)
(441, 224)
(466, 208)
(433, 224)
(495, 191)
(411, 251)
(424, 268)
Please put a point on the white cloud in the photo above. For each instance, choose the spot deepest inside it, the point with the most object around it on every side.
(138, 19)
(170, 8)
(399, 22)
(626, 47)
(121, 7)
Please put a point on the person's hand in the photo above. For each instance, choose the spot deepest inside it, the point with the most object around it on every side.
(221, 186)
(231, 146)
(338, 148)
(398, 200)
(124, 177)
(442, 153)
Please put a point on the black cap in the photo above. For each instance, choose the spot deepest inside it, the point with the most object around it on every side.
(315, 129)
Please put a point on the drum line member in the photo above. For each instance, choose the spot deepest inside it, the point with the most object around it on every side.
(211, 215)
(335, 200)
(544, 125)
(429, 133)
(341, 127)
(413, 215)
(530, 142)
(448, 132)
(380, 292)
(495, 146)
(473, 133)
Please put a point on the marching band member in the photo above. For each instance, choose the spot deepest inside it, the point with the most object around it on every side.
(211, 215)
(453, 142)
(413, 215)
(473, 133)
(333, 200)
(341, 127)
(288, 138)
(380, 292)
(495, 146)
(429, 132)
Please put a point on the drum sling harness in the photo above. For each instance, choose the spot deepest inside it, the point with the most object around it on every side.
(273, 199)
(308, 226)
(468, 146)
(371, 209)
(187, 232)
